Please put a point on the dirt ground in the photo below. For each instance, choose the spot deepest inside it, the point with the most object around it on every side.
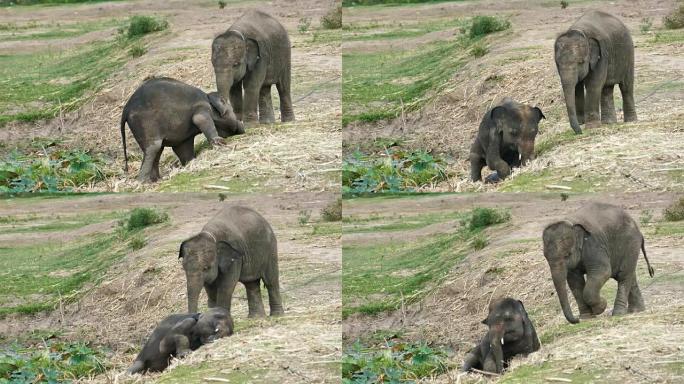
(303, 155)
(148, 284)
(512, 264)
(642, 156)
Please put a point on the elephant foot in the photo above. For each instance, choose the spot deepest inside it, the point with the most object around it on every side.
(266, 120)
(609, 120)
(630, 118)
(277, 312)
(586, 315)
(619, 311)
(256, 315)
(287, 118)
(636, 308)
(599, 308)
(593, 124)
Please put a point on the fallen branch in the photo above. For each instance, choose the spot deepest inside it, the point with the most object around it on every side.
(217, 379)
(484, 372)
(558, 379)
(563, 187)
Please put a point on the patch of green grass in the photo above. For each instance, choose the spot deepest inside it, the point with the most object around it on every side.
(141, 25)
(138, 241)
(50, 223)
(485, 25)
(533, 374)
(398, 30)
(352, 3)
(332, 211)
(332, 19)
(50, 362)
(675, 20)
(480, 242)
(537, 182)
(327, 229)
(479, 50)
(144, 217)
(667, 37)
(34, 31)
(668, 229)
(398, 223)
(393, 362)
(137, 50)
(554, 333)
(13, 3)
(480, 218)
(183, 374)
(675, 211)
(196, 181)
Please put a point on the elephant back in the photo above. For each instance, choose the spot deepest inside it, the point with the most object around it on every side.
(609, 224)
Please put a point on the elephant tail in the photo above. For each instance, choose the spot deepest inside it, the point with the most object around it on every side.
(124, 117)
(651, 271)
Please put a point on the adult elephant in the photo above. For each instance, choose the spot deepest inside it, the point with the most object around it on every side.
(600, 241)
(595, 54)
(237, 244)
(251, 56)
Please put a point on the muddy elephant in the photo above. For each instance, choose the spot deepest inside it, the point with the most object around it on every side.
(505, 139)
(165, 112)
(595, 54)
(250, 57)
(600, 241)
(179, 334)
(237, 244)
(511, 333)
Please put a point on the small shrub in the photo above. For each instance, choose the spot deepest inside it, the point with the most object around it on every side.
(142, 25)
(675, 212)
(304, 216)
(564, 4)
(144, 217)
(222, 4)
(333, 211)
(137, 50)
(137, 242)
(304, 24)
(479, 50)
(484, 25)
(332, 19)
(484, 217)
(675, 20)
(646, 216)
(222, 196)
(564, 196)
(646, 25)
(479, 242)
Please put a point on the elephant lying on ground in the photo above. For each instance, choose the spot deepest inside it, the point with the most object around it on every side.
(510, 333)
(179, 334)
(165, 112)
(600, 241)
(505, 139)
(595, 54)
(237, 244)
(253, 55)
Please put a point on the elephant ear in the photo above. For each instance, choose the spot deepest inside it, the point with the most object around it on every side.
(255, 49)
(183, 250)
(595, 53)
(538, 112)
(228, 253)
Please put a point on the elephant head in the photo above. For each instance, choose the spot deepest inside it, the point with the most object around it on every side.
(221, 113)
(563, 250)
(575, 55)
(203, 258)
(517, 125)
(213, 324)
(232, 54)
(507, 322)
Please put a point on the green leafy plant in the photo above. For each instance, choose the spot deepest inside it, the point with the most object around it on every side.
(675, 212)
(646, 216)
(393, 362)
(137, 242)
(304, 216)
(304, 24)
(222, 4)
(398, 170)
(479, 242)
(144, 217)
(675, 20)
(50, 362)
(479, 50)
(484, 25)
(332, 19)
(484, 217)
(137, 50)
(564, 4)
(140, 25)
(333, 211)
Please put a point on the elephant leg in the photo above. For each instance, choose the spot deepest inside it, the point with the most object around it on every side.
(185, 151)
(503, 170)
(224, 290)
(155, 165)
(203, 120)
(211, 294)
(608, 105)
(622, 295)
(151, 153)
(592, 292)
(476, 165)
(636, 302)
(266, 115)
(236, 99)
(252, 86)
(286, 110)
(628, 106)
(182, 346)
(577, 284)
(489, 364)
(579, 102)
(593, 87)
(272, 284)
(254, 302)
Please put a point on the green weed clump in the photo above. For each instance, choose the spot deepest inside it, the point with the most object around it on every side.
(675, 212)
(481, 218)
(675, 20)
(144, 217)
(479, 50)
(333, 211)
(58, 170)
(137, 242)
(142, 25)
(398, 171)
(484, 25)
(137, 50)
(332, 19)
(394, 362)
(51, 362)
(222, 4)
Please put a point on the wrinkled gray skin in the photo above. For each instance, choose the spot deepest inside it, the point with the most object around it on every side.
(511, 333)
(505, 139)
(235, 245)
(595, 54)
(165, 112)
(179, 334)
(600, 241)
(251, 56)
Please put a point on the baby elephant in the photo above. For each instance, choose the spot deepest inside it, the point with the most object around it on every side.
(165, 112)
(510, 333)
(505, 139)
(179, 334)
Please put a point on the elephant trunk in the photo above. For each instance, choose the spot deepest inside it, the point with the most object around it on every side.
(496, 335)
(569, 81)
(224, 82)
(559, 275)
(526, 150)
(194, 289)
